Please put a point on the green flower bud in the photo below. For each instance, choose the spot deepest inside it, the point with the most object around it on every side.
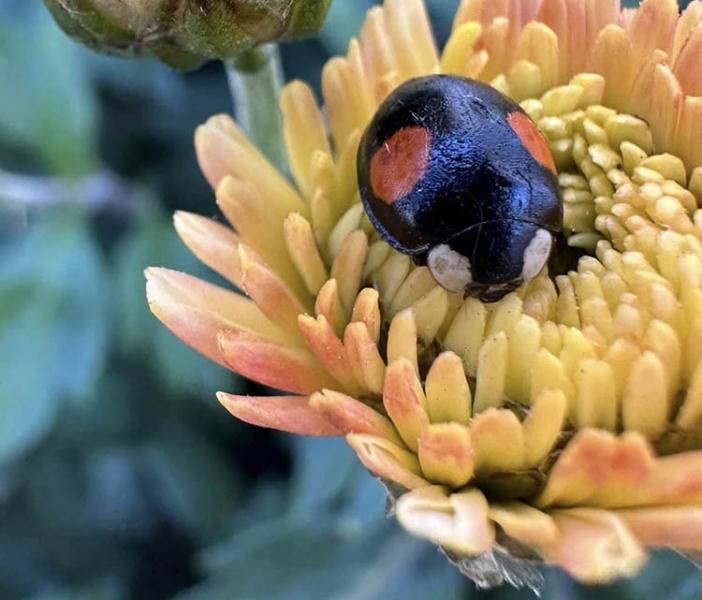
(184, 33)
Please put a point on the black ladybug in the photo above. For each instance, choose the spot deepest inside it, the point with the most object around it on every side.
(458, 176)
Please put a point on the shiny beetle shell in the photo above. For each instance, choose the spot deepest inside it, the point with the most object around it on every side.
(459, 177)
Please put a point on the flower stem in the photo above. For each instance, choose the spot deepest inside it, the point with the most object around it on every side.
(255, 78)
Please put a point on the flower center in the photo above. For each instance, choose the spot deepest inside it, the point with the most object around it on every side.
(608, 322)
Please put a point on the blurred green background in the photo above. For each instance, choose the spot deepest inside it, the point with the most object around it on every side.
(121, 477)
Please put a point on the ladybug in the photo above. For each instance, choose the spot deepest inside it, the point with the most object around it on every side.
(458, 176)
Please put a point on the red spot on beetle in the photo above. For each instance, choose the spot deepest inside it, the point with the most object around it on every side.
(532, 139)
(399, 164)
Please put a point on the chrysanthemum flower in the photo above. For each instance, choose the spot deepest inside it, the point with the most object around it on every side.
(561, 424)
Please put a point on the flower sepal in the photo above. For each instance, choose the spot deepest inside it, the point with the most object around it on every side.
(185, 33)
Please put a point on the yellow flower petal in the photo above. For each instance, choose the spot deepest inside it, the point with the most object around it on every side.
(196, 311)
(404, 399)
(223, 150)
(466, 333)
(304, 132)
(269, 292)
(402, 339)
(328, 305)
(446, 454)
(366, 310)
(329, 350)
(525, 523)
(351, 416)
(543, 425)
(259, 227)
(282, 367)
(646, 405)
(492, 372)
(364, 359)
(213, 243)
(348, 267)
(498, 442)
(301, 245)
(448, 396)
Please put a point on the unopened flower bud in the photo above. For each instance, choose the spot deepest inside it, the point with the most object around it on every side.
(184, 33)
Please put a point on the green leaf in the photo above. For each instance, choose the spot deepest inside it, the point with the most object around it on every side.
(27, 408)
(53, 327)
(89, 492)
(315, 560)
(191, 479)
(49, 105)
(101, 590)
(323, 469)
(328, 475)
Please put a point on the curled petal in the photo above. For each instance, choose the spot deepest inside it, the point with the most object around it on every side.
(348, 94)
(524, 523)
(690, 414)
(387, 460)
(466, 333)
(411, 34)
(460, 48)
(594, 546)
(417, 284)
(285, 413)
(645, 406)
(458, 522)
(610, 58)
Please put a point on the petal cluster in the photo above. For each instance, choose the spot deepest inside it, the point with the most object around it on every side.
(562, 423)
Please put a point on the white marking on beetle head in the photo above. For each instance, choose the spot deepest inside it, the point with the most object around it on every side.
(451, 270)
(536, 254)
